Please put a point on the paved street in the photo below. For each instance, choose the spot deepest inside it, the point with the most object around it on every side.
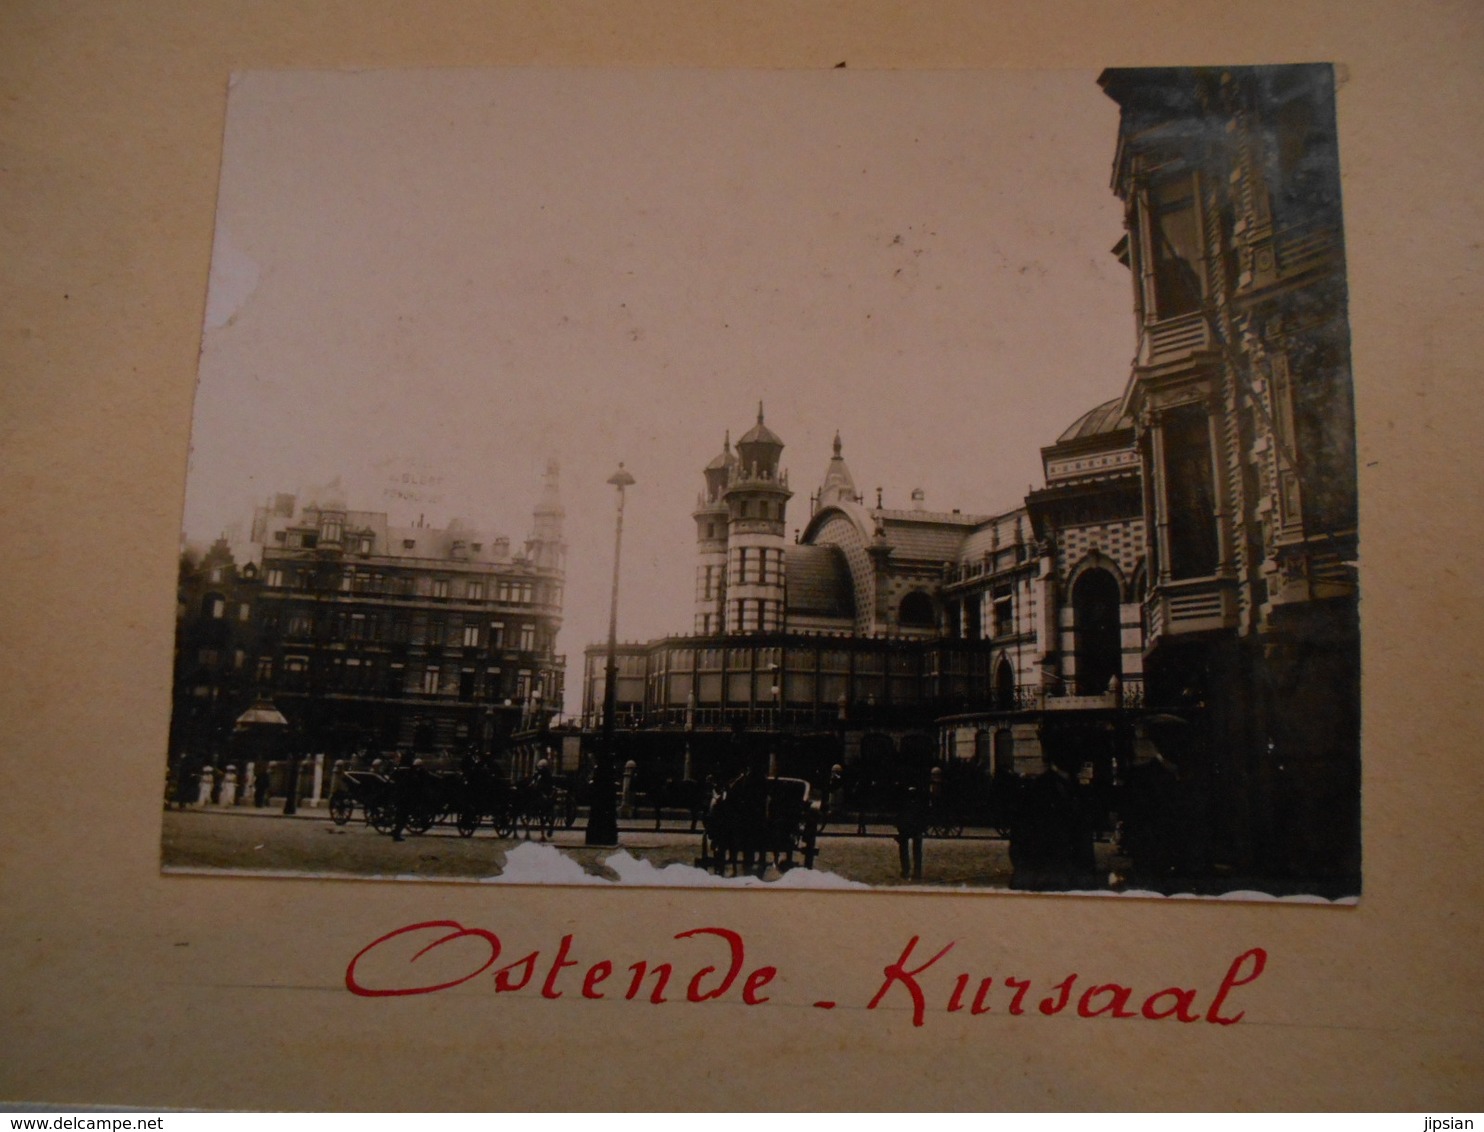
(266, 841)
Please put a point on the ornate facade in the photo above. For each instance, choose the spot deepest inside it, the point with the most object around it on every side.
(1185, 578)
(896, 634)
(369, 638)
(1241, 400)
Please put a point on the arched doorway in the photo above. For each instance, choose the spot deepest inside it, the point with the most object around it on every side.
(916, 611)
(1099, 647)
(1004, 686)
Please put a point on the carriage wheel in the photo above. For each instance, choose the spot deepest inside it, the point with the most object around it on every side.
(382, 817)
(504, 825)
(341, 807)
(468, 822)
(421, 821)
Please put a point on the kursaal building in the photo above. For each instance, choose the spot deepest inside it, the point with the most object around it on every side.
(1185, 580)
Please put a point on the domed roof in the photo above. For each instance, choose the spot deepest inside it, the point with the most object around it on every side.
(726, 458)
(759, 433)
(818, 581)
(1095, 422)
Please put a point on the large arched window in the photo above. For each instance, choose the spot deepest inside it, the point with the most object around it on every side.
(1004, 686)
(1098, 641)
(916, 611)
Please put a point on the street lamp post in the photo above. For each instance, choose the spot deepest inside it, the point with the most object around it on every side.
(602, 817)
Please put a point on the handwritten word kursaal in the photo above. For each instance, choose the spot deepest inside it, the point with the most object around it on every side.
(437, 955)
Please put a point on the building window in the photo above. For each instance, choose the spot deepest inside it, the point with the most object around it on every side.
(471, 636)
(497, 634)
(1190, 493)
(527, 637)
(1004, 615)
(214, 606)
(435, 631)
(275, 577)
(772, 566)
(474, 590)
(1099, 650)
(357, 627)
(409, 544)
(440, 587)
(430, 681)
(265, 669)
(916, 611)
(1175, 239)
(295, 670)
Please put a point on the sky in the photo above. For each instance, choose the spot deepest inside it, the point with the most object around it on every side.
(428, 283)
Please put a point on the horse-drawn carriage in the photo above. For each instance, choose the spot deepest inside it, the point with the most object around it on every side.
(533, 804)
(464, 799)
(753, 822)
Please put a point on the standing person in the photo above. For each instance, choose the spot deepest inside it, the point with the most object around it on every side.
(261, 785)
(912, 819)
(186, 776)
(1151, 812)
(407, 793)
(1051, 838)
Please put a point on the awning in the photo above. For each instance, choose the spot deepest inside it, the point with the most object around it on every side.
(262, 713)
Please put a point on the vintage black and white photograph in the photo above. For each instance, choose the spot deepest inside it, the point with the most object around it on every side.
(836, 479)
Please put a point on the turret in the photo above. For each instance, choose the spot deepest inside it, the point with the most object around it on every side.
(711, 542)
(756, 501)
(545, 548)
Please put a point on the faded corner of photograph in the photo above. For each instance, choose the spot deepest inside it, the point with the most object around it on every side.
(497, 358)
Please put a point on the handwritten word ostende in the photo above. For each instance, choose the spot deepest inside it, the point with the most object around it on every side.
(706, 984)
(1111, 999)
(398, 954)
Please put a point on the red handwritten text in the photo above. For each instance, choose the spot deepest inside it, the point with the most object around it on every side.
(1112, 1000)
(438, 955)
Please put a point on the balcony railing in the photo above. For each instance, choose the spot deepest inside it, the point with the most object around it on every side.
(1175, 339)
(1198, 605)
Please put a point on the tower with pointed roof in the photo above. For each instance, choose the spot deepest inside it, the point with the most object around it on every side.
(546, 548)
(711, 542)
(838, 485)
(756, 499)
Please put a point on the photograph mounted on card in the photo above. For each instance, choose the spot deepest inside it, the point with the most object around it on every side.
(827, 480)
